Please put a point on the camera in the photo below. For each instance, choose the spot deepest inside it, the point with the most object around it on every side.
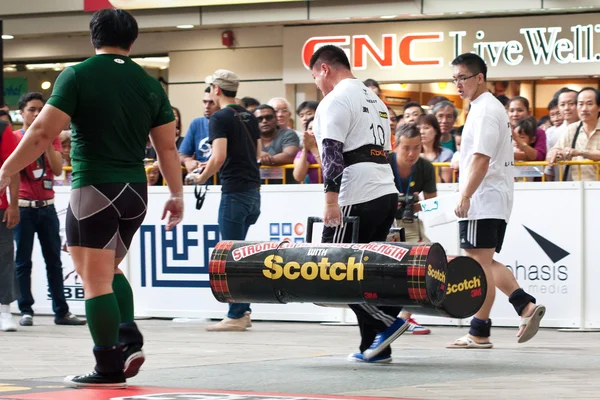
(405, 209)
(190, 178)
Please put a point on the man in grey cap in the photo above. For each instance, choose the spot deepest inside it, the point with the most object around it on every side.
(235, 138)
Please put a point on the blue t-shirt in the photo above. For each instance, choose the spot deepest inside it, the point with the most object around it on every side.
(196, 140)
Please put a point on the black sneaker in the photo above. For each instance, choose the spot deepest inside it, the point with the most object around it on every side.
(97, 380)
(134, 358)
(69, 319)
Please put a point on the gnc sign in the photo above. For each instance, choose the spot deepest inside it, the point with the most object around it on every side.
(521, 47)
(391, 51)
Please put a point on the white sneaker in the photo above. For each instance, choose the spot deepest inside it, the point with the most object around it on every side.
(7, 323)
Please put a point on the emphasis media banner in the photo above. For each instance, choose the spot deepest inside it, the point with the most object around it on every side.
(169, 270)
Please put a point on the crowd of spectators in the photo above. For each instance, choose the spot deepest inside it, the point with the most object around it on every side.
(288, 139)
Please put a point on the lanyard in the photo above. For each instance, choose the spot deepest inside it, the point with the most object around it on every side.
(406, 193)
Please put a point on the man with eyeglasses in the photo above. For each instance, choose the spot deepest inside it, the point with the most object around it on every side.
(486, 196)
(234, 135)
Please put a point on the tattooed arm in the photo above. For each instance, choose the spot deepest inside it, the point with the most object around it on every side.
(333, 169)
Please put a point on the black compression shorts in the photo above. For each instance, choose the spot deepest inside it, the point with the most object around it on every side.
(106, 216)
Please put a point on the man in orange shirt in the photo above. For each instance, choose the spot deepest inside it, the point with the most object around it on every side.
(38, 215)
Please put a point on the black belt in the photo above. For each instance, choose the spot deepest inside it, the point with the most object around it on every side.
(366, 153)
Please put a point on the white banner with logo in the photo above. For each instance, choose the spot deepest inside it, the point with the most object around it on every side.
(544, 249)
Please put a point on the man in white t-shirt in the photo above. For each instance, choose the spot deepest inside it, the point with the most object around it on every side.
(566, 99)
(352, 129)
(486, 197)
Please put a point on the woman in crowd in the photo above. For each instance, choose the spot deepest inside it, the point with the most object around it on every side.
(518, 109)
(525, 140)
(432, 150)
(153, 174)
(67, 176)
(309, 154)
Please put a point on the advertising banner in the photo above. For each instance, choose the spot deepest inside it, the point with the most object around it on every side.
(513, 47)
(169, 271)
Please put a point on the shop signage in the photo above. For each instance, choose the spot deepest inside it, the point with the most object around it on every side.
(511, 47)
(544, 45)
(94, 5)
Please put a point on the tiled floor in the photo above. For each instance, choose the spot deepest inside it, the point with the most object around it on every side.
(311, 359)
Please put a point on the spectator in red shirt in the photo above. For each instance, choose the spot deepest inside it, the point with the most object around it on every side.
(38, 215)
(9, 214)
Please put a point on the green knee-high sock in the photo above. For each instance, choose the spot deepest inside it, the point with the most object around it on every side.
(124, 295)
(103, 318)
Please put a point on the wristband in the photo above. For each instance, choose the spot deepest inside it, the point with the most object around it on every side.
(332, 186)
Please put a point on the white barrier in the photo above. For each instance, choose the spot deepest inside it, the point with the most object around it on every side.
(548, 244)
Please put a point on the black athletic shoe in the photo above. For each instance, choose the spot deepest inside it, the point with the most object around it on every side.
(133, 357)
(97, 380)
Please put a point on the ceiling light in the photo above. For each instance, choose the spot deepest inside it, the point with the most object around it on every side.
(7, 37)
(46, 85)
(388, 16)
(185, 26)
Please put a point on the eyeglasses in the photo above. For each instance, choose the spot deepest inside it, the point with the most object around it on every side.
(200, 195)
(268, 117)
(456, 81)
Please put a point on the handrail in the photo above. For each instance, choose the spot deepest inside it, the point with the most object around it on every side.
(437, 165)
(560, 164)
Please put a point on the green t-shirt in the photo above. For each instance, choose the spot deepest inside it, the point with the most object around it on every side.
(113, 104)
(450, 144)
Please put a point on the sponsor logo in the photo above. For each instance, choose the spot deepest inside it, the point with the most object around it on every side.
(383, 114)
(386, 57)
(542, 278)
(395, 252)
(177, 258)
(293, 232)
(323, 270)
(470, 284)
(435, 274)
(391, 50)
(377, 153)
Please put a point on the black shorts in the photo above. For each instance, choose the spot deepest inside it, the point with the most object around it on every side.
(482, 234)
(375, 219)
(106, 216)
